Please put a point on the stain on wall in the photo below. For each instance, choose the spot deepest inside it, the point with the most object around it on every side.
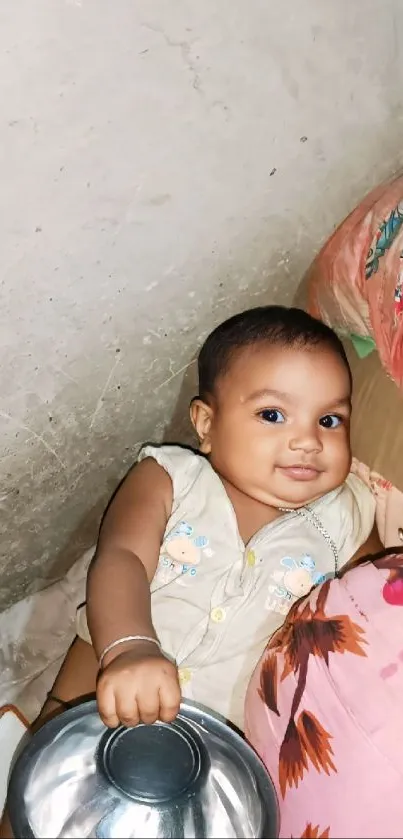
(163, 166)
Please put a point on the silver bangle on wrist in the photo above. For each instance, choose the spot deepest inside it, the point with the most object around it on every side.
(123, 640)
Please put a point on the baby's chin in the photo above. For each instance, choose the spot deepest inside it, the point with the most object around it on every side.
(296, 499)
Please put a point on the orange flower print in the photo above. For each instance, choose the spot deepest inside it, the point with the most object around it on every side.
(307, 632)
(312, 832)
(268, 683)
(304, 741)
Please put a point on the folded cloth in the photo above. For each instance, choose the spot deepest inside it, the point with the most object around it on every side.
(13, 728)
(35, 635)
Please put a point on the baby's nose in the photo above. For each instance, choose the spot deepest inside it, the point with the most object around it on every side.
(306, 440)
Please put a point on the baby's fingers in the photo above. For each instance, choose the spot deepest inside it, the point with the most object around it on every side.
(127, 708)
(169, 699)
(149, 706)
(107, 705)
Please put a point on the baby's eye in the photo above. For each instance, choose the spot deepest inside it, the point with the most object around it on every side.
(271, 415)
(330, 421)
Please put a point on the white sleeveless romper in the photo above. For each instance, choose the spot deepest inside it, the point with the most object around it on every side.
(216, 601)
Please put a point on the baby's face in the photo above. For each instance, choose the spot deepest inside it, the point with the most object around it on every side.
(279, 428)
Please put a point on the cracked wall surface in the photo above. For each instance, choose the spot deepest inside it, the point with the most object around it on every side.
(163, 165)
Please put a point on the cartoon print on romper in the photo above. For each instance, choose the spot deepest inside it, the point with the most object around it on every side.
(295, 579)
(181, 553)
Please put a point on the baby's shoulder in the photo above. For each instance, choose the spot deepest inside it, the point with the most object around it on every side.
(351, 498)
(184, 465)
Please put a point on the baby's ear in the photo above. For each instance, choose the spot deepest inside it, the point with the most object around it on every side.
(201, 416)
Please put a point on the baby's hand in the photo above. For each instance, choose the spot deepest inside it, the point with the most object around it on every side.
(138, 685)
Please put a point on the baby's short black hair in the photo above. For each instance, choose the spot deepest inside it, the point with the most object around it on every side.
(276, 325)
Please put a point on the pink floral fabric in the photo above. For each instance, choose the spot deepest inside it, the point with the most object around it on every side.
(389, 504)
(324, 707)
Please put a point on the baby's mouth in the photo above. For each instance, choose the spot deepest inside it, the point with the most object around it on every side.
(300, 472)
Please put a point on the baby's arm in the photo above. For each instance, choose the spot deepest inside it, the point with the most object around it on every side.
(118, 587)
(137, 682)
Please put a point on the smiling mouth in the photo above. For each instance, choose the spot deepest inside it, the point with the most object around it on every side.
(299, 472)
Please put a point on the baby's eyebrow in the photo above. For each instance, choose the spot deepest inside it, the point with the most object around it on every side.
(266, 392)
(345, 402)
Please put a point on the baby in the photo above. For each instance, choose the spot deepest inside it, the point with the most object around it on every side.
(201, 555)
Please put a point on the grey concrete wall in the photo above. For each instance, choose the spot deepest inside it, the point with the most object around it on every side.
(163, 164)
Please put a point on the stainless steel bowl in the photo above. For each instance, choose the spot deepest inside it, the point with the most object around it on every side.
(195, 777)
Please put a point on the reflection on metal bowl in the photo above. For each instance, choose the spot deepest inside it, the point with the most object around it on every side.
(195, 777)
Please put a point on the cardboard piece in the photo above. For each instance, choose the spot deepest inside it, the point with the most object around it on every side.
(377, 419)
